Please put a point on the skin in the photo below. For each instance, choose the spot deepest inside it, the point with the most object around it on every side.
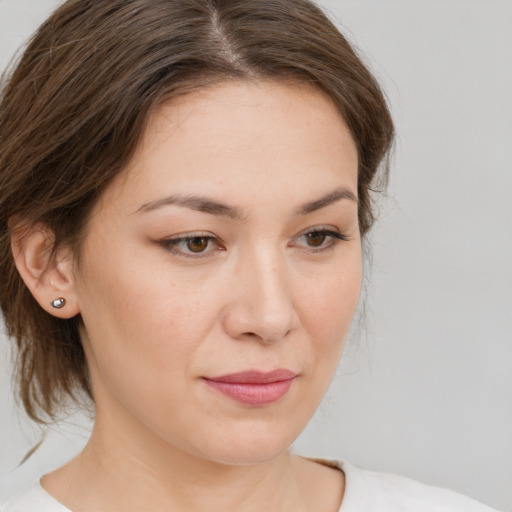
(258, 294)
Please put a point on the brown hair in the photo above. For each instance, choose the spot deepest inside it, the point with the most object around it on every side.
(74, 109)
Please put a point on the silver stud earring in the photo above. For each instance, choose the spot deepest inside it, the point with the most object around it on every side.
(58, 303)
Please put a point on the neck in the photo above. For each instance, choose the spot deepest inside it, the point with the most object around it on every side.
(143, 472)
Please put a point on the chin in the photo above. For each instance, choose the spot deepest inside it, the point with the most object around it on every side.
(249, 454)
(257, 444)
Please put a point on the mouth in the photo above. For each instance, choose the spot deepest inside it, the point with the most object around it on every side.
(253, 387)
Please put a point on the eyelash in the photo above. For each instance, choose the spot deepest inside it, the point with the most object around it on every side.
(334, 238)
(172, 244)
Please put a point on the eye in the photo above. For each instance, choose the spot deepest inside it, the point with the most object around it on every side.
(197, 244)
(193, 245)
(316, 238)
(320, 239)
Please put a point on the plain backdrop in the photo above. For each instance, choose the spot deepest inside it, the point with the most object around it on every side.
(427, 391)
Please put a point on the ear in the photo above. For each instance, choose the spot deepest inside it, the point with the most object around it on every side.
(48, 276)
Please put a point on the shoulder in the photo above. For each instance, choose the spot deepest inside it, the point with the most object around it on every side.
(369, 491)
(33, 499)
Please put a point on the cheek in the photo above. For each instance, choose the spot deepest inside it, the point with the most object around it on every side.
(142, 325)
(328, 304)
(133, 290)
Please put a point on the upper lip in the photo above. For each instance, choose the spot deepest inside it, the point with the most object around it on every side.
(255, 377)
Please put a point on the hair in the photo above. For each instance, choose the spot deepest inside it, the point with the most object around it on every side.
(74, 109)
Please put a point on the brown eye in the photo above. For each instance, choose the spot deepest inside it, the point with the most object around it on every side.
(193, 246)
(197, 244)
(316, 238)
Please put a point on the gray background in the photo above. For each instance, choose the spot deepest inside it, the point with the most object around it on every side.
(427, 392)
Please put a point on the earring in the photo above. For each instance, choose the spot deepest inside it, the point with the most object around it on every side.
(58, 303)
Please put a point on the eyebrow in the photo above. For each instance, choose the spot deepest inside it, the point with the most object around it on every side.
(195, 202)
(330, 198)
(213, 207)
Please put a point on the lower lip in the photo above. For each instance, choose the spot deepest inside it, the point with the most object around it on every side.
(252, 394)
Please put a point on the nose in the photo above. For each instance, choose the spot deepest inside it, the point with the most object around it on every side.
(261, 304)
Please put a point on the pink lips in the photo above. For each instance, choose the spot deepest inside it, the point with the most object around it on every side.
(254, 387)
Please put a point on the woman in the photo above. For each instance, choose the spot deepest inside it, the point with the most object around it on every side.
(185, 191)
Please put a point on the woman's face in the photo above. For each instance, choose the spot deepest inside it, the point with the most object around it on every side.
(220, 272)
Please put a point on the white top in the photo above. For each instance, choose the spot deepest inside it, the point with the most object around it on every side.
(365, 491)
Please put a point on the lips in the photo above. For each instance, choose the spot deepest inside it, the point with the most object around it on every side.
(253, 387)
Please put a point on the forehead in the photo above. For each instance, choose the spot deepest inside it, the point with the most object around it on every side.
(245, 135)
(242, 113)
